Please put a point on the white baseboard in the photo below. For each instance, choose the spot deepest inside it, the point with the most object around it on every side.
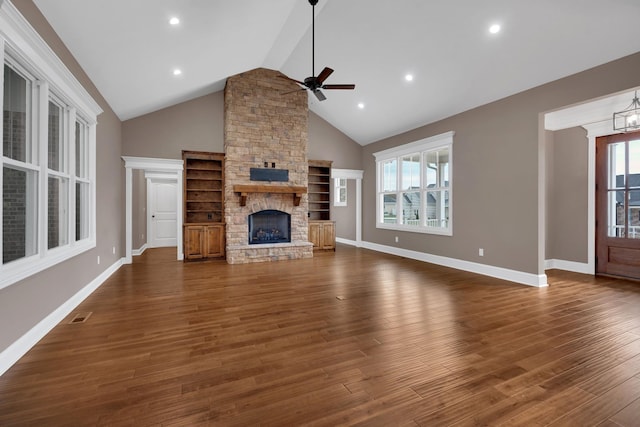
(576, 267)
(347, 242)
(22, 345)
(138, 252)
(537, 280)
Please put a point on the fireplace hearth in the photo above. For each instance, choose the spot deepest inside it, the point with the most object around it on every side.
(269, 226)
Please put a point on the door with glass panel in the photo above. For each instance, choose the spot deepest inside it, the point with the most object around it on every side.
(618, 205)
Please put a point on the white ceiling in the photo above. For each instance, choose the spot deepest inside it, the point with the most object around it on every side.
(129, 50)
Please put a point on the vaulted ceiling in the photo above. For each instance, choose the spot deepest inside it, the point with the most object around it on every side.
(130, 51)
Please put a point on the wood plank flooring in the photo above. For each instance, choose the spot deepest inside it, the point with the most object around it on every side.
(347, 338)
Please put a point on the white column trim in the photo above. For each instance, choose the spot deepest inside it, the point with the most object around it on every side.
(147, 214)
(128, 214)
(594, 130)
(359, 212)
(179, 218)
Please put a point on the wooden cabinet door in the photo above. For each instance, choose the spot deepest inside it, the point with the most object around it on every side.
(315, 235)
(322, 234)
(194, 242)
(215, 241)
(328, 236)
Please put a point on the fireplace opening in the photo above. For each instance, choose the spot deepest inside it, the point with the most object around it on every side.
(269, 226)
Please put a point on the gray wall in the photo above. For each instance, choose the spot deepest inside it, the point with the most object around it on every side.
(24, 304)
(196, 125)
(567, 189)
(498, 154)
(328, 143)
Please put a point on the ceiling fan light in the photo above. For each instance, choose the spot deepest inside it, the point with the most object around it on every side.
(315, 83)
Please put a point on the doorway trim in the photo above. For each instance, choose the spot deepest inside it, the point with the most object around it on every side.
(357, 175)
(167, 167)
(593, 131)
(596, 117)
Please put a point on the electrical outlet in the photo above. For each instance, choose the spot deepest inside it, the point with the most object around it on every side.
(481, 252)
(396, 239)
(113, 250)
(98, 259)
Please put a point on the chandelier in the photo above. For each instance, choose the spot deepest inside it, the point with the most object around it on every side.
(628, 119)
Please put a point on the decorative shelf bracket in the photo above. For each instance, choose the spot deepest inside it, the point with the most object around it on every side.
(245, 190)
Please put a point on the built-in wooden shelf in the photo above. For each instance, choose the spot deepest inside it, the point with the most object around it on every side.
(319, 190)
(204, 229)
(246, 189)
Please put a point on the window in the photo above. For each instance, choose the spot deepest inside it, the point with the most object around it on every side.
(340, 192)
(20, 173)
(47, 157)
(83, 183)
(414, 186)
(57, 178)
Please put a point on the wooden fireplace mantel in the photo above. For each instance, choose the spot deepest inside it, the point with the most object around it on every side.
(246, 189)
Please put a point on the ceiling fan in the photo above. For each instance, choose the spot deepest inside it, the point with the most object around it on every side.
(315, 83)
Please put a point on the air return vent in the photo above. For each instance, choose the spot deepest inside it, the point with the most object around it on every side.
(81, 317)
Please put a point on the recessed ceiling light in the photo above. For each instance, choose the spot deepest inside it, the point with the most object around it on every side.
(174, 21)
(177, 72)
(494, 29)
(361, 105)
(408, 77)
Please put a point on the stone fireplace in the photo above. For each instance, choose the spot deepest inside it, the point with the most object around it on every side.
(265, 128)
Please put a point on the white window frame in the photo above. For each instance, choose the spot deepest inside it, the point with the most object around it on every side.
(65, 143)
(23, 48)
(81, 178)
(420, 147)
(338, 184)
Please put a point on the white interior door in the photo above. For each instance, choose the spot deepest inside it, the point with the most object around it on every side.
(162, 213)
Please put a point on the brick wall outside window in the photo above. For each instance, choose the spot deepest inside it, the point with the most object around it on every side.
(14, 185)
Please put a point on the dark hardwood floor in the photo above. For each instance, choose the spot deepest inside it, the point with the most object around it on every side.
(354, 337)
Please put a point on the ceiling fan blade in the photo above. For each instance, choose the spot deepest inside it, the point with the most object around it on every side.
(350, 86)
(292, 80)
(319, 95)
(323, 75)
